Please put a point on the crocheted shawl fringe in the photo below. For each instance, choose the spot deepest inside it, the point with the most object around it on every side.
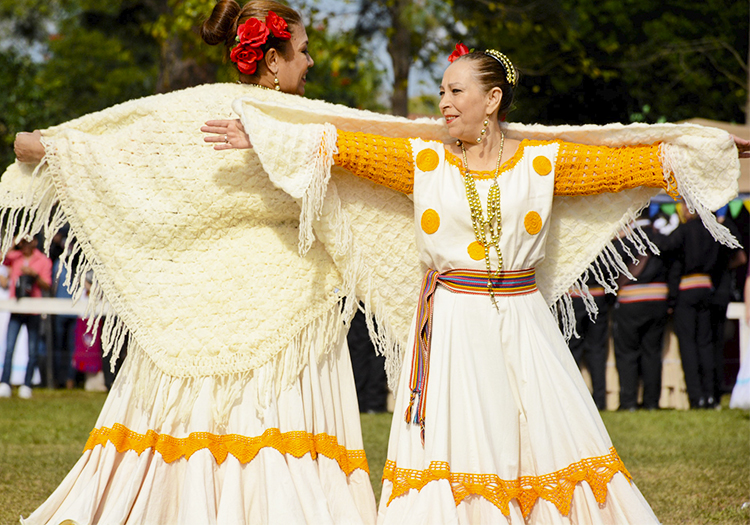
(702, 162)
(366, 230)
(35, 200)
(39, 211)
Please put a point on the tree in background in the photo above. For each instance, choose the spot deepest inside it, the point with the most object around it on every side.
(599, 61)
(582, 61)
(64, 58)
(415, 31)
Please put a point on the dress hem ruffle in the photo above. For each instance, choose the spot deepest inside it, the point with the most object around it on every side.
(556, 487)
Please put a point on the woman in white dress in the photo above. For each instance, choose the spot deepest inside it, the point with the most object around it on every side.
(492, 418)
(289, 450)
(493, 422)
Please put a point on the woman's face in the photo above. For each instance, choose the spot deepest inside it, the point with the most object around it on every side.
(463, 102)
(292, 73)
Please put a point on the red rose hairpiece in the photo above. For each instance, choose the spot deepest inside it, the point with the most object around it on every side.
(251, 36)
(278, 26)
(460, 50)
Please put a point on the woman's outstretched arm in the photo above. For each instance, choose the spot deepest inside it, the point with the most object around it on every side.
(383, 160)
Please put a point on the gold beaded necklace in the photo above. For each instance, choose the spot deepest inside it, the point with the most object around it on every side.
(493, 224)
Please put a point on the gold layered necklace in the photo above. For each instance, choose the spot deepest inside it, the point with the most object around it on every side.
(491, 226)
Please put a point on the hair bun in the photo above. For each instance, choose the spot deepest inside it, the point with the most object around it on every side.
(217, 28)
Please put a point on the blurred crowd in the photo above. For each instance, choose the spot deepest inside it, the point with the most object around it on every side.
(55, 351)
(687, 286)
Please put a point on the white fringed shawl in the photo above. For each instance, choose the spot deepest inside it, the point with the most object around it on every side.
(366, 228)
(197, 253)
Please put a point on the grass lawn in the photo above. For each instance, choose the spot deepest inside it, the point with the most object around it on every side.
(693, 467)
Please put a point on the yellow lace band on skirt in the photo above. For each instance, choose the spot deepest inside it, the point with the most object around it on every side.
(296, 443)
(556, 487)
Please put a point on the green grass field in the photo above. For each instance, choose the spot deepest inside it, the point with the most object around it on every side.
(693, 467)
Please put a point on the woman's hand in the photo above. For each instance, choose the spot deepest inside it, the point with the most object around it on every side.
(743, 147)
(28, 147)
(227, 134)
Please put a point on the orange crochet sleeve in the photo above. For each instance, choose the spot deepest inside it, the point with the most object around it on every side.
(383, 160)
(590, 170)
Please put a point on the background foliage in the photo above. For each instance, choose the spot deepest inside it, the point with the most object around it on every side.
(582, 61)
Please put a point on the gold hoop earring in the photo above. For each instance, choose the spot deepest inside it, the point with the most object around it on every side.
(484, 130)
(276, 83)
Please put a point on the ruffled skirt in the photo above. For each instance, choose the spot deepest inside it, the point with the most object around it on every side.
(297, 458)
(511, 432)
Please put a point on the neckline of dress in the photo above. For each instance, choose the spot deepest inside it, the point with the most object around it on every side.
(509, 164)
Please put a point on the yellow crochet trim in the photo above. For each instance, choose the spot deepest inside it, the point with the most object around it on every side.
(383, 160)
(556, 487)
(244, 448)
(591, 170)
(507, 165)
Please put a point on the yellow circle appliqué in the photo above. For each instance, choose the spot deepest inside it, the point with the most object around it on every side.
(542, 165)
(430, 221)
(532, 222)
(427, 160)
(476, 251)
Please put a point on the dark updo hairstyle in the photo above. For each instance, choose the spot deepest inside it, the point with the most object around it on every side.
(490, 73)
(221, 26)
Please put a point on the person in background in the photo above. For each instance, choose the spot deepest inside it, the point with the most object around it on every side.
(592, 345)
(640, 316)
(723, 279)
(741, 390)
(368, 367)
(696, 257)
(64, 324)
(30, 274)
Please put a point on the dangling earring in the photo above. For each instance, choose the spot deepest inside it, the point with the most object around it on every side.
(276, 83)
(484, 130)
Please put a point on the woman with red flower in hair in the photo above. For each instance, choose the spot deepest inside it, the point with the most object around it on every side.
(288, 447)
(266, 40)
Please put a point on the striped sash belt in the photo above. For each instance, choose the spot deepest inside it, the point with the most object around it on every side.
(515, 282)
(695, 280)
(638, 293)
(595, 291)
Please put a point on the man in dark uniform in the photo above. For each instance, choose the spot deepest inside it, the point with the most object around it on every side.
(697, 254)
(640, 315)
(368, 367)
(592, 345)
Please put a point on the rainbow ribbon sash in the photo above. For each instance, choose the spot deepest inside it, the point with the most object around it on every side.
(639, 293)
(695, 280)
(514, 282)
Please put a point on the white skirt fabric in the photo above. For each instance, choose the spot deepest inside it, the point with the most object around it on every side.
(511, 432)
(298, 460)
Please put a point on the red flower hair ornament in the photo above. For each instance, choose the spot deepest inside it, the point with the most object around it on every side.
(251, 36)
(460, 50)
(278, 26)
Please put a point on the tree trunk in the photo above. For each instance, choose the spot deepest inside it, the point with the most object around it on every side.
(399, 47)
(175, 72)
